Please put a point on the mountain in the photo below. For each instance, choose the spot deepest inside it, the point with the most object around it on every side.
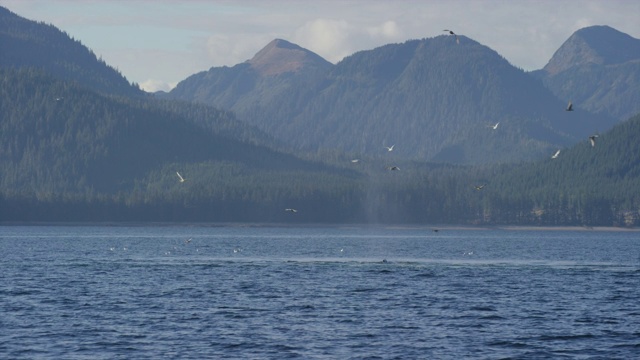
(57, 137)
(26, 43)
(263, 87)
(598, 68)
(435, 99)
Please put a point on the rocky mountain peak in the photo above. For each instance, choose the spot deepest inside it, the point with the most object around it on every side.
(281, 56)
(601, 45)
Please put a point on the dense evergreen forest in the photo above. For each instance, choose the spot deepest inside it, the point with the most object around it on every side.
(79, 143)
(70, 154)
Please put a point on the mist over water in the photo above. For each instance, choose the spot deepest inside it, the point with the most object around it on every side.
(358, 292)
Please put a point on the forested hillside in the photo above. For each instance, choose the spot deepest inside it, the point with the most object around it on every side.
(29, 44)
(434, 99)
(68, 154)
(77, 147)
(58, 137)
(585, 184)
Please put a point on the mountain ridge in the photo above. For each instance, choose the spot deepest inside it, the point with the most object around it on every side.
(598, 68)
(26, 43)
(434, 95)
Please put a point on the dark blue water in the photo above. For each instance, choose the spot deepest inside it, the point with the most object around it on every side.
(317, 293)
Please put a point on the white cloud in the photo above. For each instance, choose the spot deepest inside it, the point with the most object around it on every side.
(329, 38)
(233, 49)
(335, 39)
(387, 30)
(153, 85)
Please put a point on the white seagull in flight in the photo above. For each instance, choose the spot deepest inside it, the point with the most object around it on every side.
(494, 127)
(390, 148)
(291, 210)
(556, 155)
(592, 139)
(180, 177)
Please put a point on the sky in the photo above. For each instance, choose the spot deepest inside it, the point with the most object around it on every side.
(158, 43)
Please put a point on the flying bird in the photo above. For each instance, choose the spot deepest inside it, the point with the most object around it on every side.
(180, 178)
(592, 139)
(495, 126)
(480, 187)
(454, 34)
(569, 107)
(556, 155)
(291, 210)
(390, 148)
(355, 161)
(393, 168)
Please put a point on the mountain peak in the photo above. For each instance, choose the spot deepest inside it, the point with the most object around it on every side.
(601, 45)
(281, 56)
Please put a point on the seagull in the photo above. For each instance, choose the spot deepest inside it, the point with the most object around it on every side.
(556, 154)
(393, 168)
(592, 139)
(291, 210)
(480, 187)
(494, 127)
(188, 240)
(569, 107)
(355, 161)
(390, 148)
(180, 177)
(454, 34)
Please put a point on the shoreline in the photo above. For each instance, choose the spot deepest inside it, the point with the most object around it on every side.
(432, 228)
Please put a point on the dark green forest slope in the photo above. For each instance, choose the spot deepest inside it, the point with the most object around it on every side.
(63, 142)
(69, 154)
(589, 185)
(73, 148)
(26, 43)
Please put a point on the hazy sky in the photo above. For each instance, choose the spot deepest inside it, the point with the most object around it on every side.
(158, 43)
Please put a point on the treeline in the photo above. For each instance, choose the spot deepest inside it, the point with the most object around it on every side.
(69, 154)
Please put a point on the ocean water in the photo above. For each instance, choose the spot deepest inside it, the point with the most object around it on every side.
(197, 292)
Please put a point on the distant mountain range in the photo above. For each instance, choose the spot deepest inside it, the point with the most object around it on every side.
(434, 98)
(78, 142)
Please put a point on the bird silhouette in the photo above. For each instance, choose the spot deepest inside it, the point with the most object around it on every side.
(480, 187)
(291, 210)
(495, 126)
(180, 178)
(390, 148)
(393, 168)
(592, 139)
(454, 34)
(555, 156)
(569, 107)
